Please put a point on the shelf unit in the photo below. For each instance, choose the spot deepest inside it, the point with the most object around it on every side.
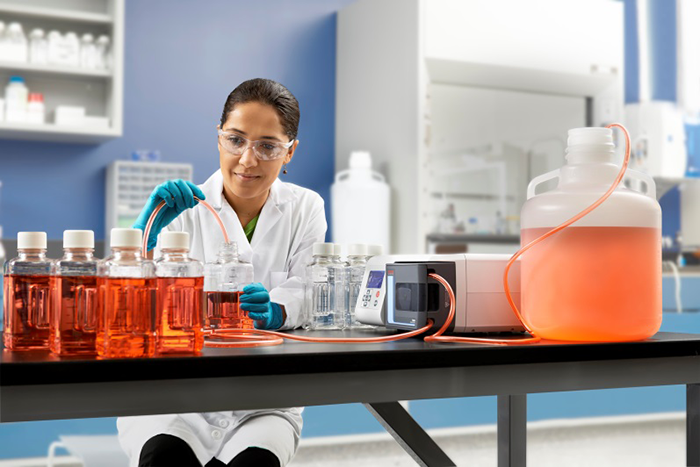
(99, 91)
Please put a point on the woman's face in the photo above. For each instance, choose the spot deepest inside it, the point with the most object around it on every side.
(246, 176)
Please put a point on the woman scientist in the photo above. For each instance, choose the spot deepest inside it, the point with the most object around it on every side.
(275, 225)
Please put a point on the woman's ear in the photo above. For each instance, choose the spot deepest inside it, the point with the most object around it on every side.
(290, 153)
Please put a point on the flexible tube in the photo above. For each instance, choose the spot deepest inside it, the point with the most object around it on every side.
(559, 228)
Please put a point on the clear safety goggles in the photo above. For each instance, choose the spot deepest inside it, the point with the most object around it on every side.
(265, 150)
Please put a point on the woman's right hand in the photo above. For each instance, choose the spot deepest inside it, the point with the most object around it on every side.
(178, 196)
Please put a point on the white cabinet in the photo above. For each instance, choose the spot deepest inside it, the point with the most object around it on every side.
(100, 92)
(484, 88)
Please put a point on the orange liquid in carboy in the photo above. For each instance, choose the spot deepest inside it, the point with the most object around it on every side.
(180, 315)
(74, 320)
(27, 311)
(593, 283)
(224, 312)
(126, 322)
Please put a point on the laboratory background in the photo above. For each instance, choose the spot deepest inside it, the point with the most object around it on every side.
(102, 100)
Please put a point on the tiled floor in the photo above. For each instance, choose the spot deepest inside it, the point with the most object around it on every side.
(638, 441)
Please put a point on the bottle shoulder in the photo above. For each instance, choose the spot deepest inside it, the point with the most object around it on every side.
(19, 265)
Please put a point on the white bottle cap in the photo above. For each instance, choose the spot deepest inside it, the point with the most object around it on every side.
(37, 33)
(31, 240)
(126, 238)
(178, 240)
(337, 249)
(15, 27)
(323, 249)
(360, 160)
(357, 249)
(87, 38)
(375, 250)
(78, 239)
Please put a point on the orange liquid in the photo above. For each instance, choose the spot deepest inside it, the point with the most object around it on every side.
(180, 315)
(224, 311)
(27, 305)
(74, 320)
(126, 320)
(593, 283)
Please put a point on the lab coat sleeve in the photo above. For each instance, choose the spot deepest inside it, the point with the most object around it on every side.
(291, 292)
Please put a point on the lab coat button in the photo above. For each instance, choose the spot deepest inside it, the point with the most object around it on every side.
(216, 434)
(223, 423)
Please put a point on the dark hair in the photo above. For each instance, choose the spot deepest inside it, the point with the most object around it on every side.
(267, 92)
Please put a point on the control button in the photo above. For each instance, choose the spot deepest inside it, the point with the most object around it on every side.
(377, 293)
(376, 302)
(223, 423)
(216, 434)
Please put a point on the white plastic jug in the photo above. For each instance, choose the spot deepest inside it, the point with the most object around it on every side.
(600, 278)
(360, 204)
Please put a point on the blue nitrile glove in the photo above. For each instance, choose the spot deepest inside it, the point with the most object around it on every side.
(178, 196)
(256, 301)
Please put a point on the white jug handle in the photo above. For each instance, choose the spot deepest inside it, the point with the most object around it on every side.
(541, 179)
(343, 174)
(647, 179)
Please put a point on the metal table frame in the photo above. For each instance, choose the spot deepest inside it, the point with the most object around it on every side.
(377, 390)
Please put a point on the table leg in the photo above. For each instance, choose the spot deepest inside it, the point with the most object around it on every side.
(692, 425)
(409, 434)
(512, 430)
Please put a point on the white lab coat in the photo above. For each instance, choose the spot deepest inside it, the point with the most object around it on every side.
(291, 221)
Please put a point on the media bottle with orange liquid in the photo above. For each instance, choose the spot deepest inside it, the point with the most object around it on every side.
(600, 278)
(224, 281)
(27, 294)
(127, 291)
(180, 295)
(75, 304)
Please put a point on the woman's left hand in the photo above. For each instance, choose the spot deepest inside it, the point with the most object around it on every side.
(255, 299)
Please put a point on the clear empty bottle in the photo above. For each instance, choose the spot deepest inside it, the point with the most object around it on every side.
(27, 294)
(180, 281)
(325, 290)
(224, 281)
(355, 272)
(75, 300)
(127, 286)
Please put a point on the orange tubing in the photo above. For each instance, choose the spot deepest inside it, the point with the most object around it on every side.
(559, 228)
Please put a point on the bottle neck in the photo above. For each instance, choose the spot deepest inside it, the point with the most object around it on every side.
(127, 253)
(175, 254)
(79, 254)
(32, 254)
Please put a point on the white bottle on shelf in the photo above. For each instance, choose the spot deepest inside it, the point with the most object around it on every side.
(16, 43)
(3, 42)
(16, 94)
(88, 52)
(36, 113)
(38, 47)
(56, 51)
(104, 57)
(71, 45)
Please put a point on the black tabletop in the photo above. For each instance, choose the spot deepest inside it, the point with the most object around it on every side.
(41, 367)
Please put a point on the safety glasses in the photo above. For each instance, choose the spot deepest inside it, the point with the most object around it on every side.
(264, 150)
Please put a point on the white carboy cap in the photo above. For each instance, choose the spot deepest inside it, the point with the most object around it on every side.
(175, 240)
(78, 239)
(357, 249)
(323, 249)
(337, 249)
(375, 250)
(126, 238)
(31, 240)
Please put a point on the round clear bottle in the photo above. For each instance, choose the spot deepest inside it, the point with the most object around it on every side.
(127, 287)
(325, 290)
(27, 294)
(180, 282)
(74, 319)
(355, 272)
(600, 278)
(224, 280)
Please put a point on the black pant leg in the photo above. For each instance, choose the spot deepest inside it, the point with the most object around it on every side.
(255, 457)
(167, 451)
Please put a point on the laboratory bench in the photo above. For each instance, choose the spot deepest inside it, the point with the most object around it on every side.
(40, 386)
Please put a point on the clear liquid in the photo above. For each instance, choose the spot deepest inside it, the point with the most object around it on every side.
(180, 315)
(27, 308)
(224, 311)
(126, 324)
(74, 321)
(593, 283)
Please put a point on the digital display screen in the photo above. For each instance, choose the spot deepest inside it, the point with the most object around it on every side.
(374, 281)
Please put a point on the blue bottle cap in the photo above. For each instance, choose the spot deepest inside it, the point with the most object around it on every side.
(16, 79)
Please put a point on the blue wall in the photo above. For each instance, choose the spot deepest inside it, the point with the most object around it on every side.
(182, 58)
